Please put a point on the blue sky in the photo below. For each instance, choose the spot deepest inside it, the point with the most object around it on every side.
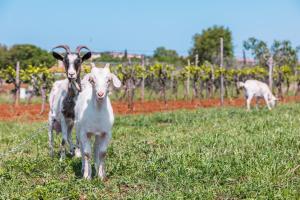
(140, 26)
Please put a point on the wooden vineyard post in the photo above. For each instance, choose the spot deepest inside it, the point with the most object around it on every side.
(188, 82)
(270, 63)
(212, 80)
(43, 93)
(17, 97)
(222, 75)
(172, 80)
(143, 81)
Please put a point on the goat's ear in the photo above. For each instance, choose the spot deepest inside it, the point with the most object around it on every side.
(107, 65)
(93, 65)
(116, 82)
(86, 56)
(57, 56)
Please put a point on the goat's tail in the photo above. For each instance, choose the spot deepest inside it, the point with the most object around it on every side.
(240, 85)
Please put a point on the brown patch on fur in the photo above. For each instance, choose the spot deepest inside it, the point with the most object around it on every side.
(102, 155)
(89, 135)
(69, 101)
(56, 126)
(87, 156)
(103, 135)
(68, 107)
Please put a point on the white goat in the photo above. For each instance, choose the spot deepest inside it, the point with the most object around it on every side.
(94, 116)
(258, 89)
(61, 118)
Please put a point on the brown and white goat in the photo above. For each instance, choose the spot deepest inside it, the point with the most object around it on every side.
(63, 97)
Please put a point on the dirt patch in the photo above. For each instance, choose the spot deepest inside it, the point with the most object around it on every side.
(31, 112)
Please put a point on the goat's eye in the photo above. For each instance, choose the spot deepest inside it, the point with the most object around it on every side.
(91, 80)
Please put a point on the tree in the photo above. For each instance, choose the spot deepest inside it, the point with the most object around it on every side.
(3, 56)
(29, 54)
(107, 57)
(259, 50)
(284, 53)
(161, 54)
(125, 57)
(207, 44)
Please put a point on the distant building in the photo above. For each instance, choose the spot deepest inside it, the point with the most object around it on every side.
(122, 54)
(96, 55)
(249, 61)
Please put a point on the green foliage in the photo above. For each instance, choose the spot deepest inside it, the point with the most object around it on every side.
(140, 71)
(3, 56)
(256, 72)
(107, 57)
(207, 153)
(259, 50)
(86, 68)
(161, 54)
(36, 76)
(284, 53)
(40, 77)
(27, 55)
(9, 75)
(161, 70)
(207, 44)
(285, 71)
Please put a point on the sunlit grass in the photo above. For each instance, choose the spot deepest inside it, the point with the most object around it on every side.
(206, 154)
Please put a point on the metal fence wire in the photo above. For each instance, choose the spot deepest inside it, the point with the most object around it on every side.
(22, 144)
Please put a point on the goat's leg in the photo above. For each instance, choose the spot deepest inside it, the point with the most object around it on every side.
(256, 102)
(249, 98)
(96, 152)
(64, 130)
(70, 141)
(101, 144)
(85, 147)
(267, 102)
(77, 149)
(50, 135)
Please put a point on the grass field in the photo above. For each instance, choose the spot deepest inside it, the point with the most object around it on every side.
(203, 154)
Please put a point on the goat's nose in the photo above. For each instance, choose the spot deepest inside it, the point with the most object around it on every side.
(71, 73)
(100, 94)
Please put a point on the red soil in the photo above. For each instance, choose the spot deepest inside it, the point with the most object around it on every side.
(31, 112)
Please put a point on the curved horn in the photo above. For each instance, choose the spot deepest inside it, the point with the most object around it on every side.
(78, 49)
(66, 47)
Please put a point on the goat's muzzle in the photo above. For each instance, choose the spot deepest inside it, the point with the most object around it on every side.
(100, 96)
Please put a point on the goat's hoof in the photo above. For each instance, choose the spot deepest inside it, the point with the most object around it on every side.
(104, 179)
(62, 158)
(72, 153)
(87, 177)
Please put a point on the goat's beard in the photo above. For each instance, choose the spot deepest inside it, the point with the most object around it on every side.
(100, 100)
(76, 85)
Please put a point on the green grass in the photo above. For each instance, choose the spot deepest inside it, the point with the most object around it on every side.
(204, 154)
